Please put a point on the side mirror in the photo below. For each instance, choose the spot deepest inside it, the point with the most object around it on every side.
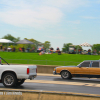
(79, 66)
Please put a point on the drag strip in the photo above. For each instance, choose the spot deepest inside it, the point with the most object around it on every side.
(56, 83)
(57, 87)
(58, 78)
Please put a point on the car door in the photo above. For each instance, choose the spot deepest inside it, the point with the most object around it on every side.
(95, 69)
(83, 69)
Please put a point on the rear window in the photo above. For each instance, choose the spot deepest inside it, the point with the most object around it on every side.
(95, 64)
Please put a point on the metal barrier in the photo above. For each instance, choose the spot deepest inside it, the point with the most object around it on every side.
(40, 62)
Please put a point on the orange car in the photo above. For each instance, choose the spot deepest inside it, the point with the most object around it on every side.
(88, 68)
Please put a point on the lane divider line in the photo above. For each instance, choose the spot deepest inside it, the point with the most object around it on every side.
(64, 83)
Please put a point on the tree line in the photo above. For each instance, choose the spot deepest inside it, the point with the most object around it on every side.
(36, 44)
(46, 44)
(67, 45)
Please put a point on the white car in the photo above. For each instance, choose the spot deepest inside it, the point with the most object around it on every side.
(15, 75)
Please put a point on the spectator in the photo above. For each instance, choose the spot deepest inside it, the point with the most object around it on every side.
(74, 50)
(51, 50)
(23, 49)
(9, 49)
(13, 50)
(89, 52)
(20, 49)
(1, 47)
(38, 49)
(95, 52)
(99, 52)
(57, 50)
(5, 49)
(28, 49)
(42, 49)
(78, 51)
(42, 52)
(32, 50)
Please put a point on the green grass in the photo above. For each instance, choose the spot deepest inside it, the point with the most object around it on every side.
(46, 59)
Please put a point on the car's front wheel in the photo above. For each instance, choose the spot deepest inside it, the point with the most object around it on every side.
(66, 75)
(9, 80)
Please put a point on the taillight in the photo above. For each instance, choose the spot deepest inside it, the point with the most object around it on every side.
(36, 70)
(0, 61)
(28, 70)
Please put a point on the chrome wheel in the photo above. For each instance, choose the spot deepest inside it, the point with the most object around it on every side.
(8, 80)
(65, 75)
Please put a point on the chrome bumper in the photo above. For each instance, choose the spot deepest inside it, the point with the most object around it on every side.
(54, 72)
(32, 77)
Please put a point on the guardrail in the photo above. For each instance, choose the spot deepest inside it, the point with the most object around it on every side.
(40, 62)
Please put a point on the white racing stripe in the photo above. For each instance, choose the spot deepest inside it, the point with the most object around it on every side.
(42, 74)
(64, 83)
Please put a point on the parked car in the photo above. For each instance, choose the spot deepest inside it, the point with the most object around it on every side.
(72, 50)
(15, 75)
(87, 68)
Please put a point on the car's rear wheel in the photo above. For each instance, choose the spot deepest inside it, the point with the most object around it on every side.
(66, 75)
(9, 80)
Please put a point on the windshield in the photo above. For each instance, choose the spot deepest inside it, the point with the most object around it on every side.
(79, 64)
(3, 60)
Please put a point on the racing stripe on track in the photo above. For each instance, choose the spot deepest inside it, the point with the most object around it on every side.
(64, 83)
(42, 74)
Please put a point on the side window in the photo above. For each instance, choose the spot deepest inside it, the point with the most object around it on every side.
(95, 64)
(85, 64)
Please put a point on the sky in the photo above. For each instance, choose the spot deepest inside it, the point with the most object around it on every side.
(56, 21)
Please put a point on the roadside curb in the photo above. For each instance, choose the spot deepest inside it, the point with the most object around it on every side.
(50, 92)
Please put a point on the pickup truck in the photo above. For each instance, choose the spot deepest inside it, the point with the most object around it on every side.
(15, 75)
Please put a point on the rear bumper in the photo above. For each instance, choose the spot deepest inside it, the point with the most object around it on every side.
(31, 77)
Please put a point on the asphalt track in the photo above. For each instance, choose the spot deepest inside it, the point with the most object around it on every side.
(48, 82)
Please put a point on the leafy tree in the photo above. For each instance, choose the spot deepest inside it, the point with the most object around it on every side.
(47, 45)
(10, 37)
(66, 47)
(96, 46)
(35, 45)
(77, 47)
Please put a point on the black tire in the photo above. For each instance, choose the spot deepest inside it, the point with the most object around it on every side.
(20, 82)
(66, 75)
(9, 80)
